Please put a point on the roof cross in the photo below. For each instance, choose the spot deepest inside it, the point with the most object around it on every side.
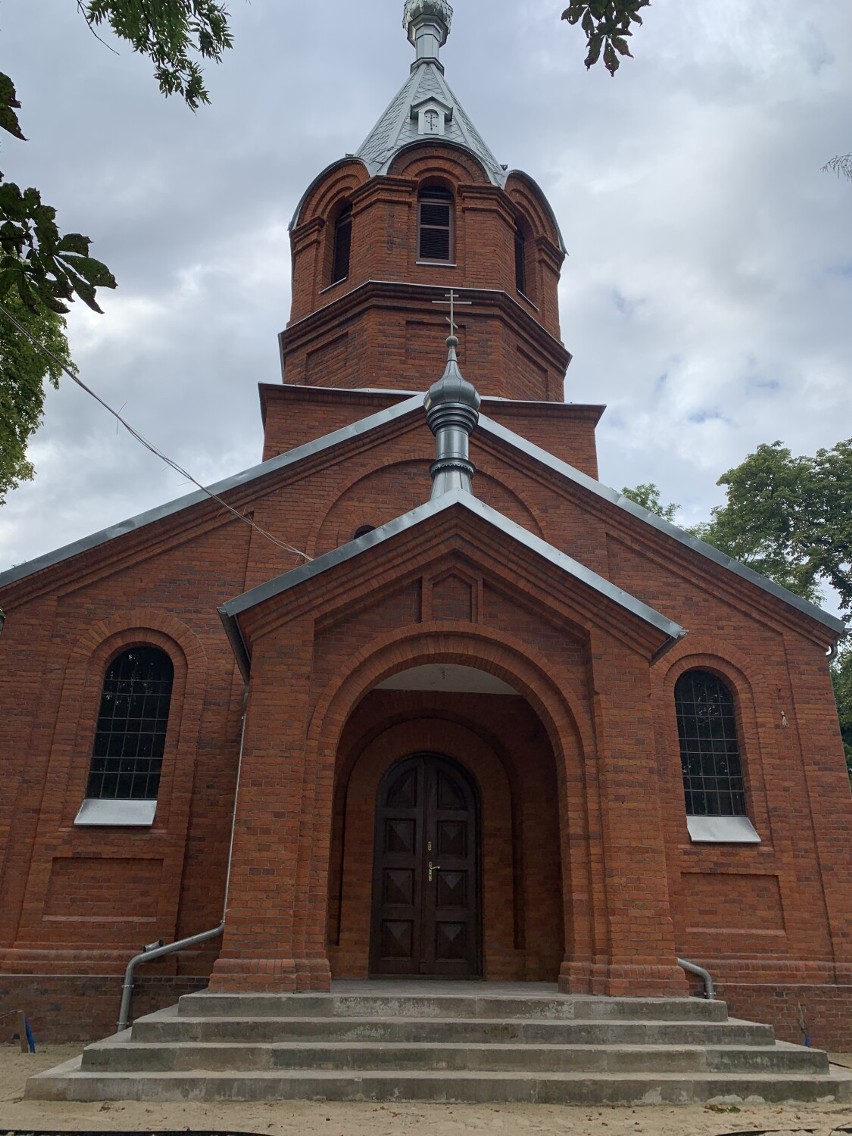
(453, 301)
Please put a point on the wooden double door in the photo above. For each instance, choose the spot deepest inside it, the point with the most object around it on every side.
(426, 901)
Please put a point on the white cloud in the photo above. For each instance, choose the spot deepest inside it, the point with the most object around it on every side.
(705, 297)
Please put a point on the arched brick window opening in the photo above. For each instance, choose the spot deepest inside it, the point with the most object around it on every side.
(525, 267)
(341, 244)
(435, 223)
(709, 749)
(362, 530)
(520, 258)
(130, 736)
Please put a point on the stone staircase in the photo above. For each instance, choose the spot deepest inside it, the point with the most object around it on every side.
(473, 1042)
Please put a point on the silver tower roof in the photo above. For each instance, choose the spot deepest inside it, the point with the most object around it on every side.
(425, 108)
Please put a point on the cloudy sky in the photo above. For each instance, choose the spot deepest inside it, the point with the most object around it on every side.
(707, 297)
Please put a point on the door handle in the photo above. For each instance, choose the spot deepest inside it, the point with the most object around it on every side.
(433, 868)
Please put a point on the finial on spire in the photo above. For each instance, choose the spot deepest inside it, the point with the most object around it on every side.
(427, 24)
(452, 412)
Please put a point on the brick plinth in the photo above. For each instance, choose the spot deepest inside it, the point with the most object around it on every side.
(623, 980)
(270, 976)
(83, 1007)
(825, 1011)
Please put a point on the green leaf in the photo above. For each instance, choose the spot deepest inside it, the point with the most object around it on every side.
(74, 242)
(93, 271)
(610, 59)
(8, 105)
(595, 45)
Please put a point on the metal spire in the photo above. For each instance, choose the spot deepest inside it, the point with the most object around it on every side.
(452, 412)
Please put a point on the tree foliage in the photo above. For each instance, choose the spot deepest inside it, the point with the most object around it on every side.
(607, 27)
(648, 496)
(23, 369)
(790, 518)
(170, 33)
(841, 678)
(841, 165)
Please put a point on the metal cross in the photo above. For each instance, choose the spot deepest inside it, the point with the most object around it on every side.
(454, 301)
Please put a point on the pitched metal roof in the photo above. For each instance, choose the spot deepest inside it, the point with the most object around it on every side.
(230, 611)
(411, 405)
(398, 126)
(253, 473)
(656, 522)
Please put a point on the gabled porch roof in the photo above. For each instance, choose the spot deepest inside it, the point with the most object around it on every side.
(231, 611)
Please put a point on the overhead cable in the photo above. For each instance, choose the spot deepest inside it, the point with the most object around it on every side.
(134, 433)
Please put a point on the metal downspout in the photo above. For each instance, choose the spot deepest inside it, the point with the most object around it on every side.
(155, 953)
(202, 936)
(694, 968)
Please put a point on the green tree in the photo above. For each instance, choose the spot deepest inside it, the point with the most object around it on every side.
(841, 678)
(23, 370)
(790, 518)
(648, 496)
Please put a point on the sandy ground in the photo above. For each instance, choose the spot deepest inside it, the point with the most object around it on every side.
(309, 1118)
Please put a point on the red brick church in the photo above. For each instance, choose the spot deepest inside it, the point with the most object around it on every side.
(426, 698)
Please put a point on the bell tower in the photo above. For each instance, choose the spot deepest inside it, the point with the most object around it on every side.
(424, 206)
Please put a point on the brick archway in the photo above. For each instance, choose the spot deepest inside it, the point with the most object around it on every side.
(503, 749)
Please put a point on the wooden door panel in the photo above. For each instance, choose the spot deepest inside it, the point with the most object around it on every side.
(425, 881)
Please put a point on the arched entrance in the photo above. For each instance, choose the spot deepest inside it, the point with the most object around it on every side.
(426, 880)
(512, 786)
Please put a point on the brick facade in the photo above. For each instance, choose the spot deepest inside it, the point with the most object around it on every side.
(585, 868)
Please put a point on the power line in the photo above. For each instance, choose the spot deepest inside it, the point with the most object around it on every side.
(134, 433)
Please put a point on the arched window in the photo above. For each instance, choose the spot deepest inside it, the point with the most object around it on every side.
(435, 223)
(341, 244)
(709, 751)
(131, 732)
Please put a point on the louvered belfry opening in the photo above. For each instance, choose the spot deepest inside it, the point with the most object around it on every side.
(342, 244)
(435, 224)
(520, 259)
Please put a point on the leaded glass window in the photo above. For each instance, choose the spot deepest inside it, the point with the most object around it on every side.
(709, 750)
(127, 755)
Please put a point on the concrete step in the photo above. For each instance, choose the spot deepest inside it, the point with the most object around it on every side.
(166, 1027)
(67, 1082)
(464, 1044)
(115, 1056)
(576, 1007)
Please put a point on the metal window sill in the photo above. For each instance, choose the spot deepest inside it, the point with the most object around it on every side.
(721, 830)
(525, 297)
(437, 263)
(333, 284)
(128, 814)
